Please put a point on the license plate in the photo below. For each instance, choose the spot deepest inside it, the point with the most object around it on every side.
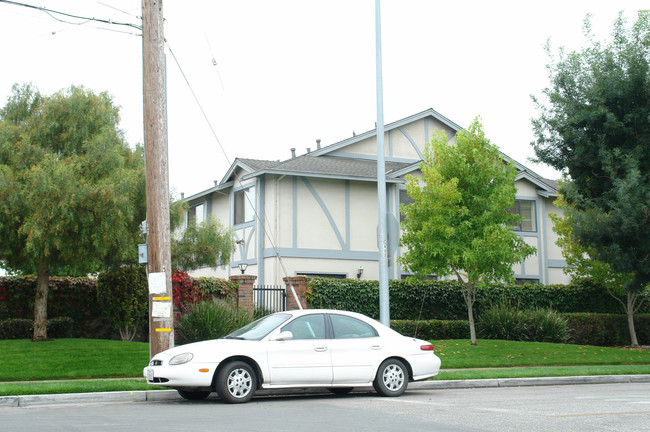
(150, 374)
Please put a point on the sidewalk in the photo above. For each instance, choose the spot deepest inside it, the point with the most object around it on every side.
(172, 395)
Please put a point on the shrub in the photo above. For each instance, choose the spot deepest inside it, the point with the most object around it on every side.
(606, 329)
(71, 297)
(502, 322)
(217, 288)
(260, 312)
(432, 329)
(21, 328)
(60, 327)
(539, 325)
(545, 325)
(16, 328)
(415, 299)
(185, 291)
(122, 293)
(210, 320)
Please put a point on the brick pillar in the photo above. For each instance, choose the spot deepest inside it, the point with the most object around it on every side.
(245, 300)
(300, 286)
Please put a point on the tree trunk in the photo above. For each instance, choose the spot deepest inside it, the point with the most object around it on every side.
(470, 315)
(40, 302)
(631, 297)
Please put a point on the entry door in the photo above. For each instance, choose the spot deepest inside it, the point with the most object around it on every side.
(306, 358)
(356, 350)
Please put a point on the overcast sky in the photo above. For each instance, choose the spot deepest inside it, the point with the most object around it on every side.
(272, 75)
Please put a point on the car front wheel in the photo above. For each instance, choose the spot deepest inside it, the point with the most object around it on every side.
(236, 382)
(391, 379)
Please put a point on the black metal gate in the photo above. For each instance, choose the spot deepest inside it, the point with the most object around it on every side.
(270, 298)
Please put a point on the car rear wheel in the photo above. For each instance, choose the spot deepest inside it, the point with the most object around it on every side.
(236, 382)
(391, 379)
(193, 395)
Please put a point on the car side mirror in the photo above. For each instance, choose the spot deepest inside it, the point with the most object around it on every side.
(285, 335)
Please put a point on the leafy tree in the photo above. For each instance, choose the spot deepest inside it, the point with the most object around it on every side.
(581, 265)
(595, 125)
(70, 187)
(206, 244)
(458, 223)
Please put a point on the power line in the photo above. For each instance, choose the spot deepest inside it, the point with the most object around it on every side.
(264, 221)
(52, 13)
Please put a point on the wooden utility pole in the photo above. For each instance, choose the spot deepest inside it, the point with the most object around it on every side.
(161, 321)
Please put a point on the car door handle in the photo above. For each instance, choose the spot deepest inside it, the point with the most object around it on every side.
(320, 349)
(375, 347)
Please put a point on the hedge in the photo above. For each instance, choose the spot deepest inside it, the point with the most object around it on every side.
(21, 328)
(584, 329)
(607, 329)
(76, 298)
(443, 300)
(432, 329)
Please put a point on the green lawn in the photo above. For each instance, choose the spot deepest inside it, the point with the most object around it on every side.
(24, 360)
(459, 354)
(80, 362)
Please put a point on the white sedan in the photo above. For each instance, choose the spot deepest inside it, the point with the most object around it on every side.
(310, 348)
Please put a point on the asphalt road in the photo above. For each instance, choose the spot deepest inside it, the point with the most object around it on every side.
(588, 407)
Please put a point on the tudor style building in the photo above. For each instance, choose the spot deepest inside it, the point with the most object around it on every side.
(318, 211)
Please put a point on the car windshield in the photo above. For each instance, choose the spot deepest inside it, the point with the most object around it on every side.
(260, 328)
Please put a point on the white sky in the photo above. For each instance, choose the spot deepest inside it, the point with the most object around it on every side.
(289, 72)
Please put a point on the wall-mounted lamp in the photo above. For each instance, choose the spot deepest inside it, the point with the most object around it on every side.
(243, 267)
(239, 242)
(359, 272)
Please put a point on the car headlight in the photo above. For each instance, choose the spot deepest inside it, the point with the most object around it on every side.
(181, 358)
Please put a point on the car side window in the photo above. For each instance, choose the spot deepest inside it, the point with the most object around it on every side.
(307, 327)
(346, 327)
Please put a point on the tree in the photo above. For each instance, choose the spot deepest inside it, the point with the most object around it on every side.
(581, 265)
(458, 223)
(70, 187)
(206, 244)
(594, 125)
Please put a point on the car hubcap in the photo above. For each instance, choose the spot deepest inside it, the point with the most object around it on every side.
(393, 377)
(239, 383)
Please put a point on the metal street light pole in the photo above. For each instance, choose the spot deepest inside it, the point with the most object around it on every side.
(382, 229)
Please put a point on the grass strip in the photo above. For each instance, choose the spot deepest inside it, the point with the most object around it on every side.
(459, 353)
(81, 386)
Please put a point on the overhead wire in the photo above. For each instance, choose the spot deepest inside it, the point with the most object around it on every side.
(237, 178)
(87, 19)
(52, 13)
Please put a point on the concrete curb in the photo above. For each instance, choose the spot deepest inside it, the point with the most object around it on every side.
(167, 395)
(522, 382)
(73, 398)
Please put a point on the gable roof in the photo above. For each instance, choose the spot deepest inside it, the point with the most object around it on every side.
(328, 162)
(395, 125)
(329, 167)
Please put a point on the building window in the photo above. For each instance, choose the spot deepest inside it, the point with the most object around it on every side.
(244, 205)
(405, 276)
(524, 281)
(322, 275)
(405, 199)
(196, 214)
(527, 210)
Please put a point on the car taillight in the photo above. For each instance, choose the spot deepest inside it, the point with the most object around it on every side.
(428, 347)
